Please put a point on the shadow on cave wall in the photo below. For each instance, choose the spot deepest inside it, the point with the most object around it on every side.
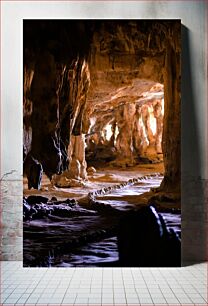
(192, 195)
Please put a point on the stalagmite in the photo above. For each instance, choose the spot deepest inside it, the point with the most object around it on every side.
(76, 153)
(146, 120)
(159, 126)
(124, 141)
(139, 134)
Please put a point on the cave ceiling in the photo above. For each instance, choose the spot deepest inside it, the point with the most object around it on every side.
(126, 66)
(125, 58)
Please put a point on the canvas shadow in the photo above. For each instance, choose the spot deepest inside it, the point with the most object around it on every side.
(193, 248)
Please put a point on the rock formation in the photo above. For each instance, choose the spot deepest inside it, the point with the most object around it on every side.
(102, 81)
(153, 242)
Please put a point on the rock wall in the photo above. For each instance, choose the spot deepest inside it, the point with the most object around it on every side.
(55, 90)
(127, 60)
(171, 142)
(27, 109)
(134, 130)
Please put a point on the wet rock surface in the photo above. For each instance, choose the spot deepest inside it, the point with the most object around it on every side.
(51, 209)
(69, 233)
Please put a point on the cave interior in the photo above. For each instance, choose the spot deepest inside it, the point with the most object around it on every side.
(101, 135)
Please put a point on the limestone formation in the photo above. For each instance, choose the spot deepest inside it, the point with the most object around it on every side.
(103, 83)
(76, 153)
(91, 170)
(34, 171)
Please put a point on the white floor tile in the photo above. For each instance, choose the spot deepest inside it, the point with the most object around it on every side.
(81, 301)
(107, 299)
(94, 301)
(172, 300)
(132, 286)
(69, 300)
(145, 301)
(132, 300)
(32, 300)
(131, 296)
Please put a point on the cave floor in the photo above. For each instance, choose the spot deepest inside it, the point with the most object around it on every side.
(89, 238)
(103, 177)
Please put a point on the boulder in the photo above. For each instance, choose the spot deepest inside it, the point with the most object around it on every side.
(91, 170)
(145, 241)
(31, 200)
(34, 171)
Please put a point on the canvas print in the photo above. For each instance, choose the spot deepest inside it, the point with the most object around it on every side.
(101, 143)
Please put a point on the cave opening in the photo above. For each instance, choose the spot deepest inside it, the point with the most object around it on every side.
(127, 129)
(101, 142)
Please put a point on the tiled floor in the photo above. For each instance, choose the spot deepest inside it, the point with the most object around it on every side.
(103, 286)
